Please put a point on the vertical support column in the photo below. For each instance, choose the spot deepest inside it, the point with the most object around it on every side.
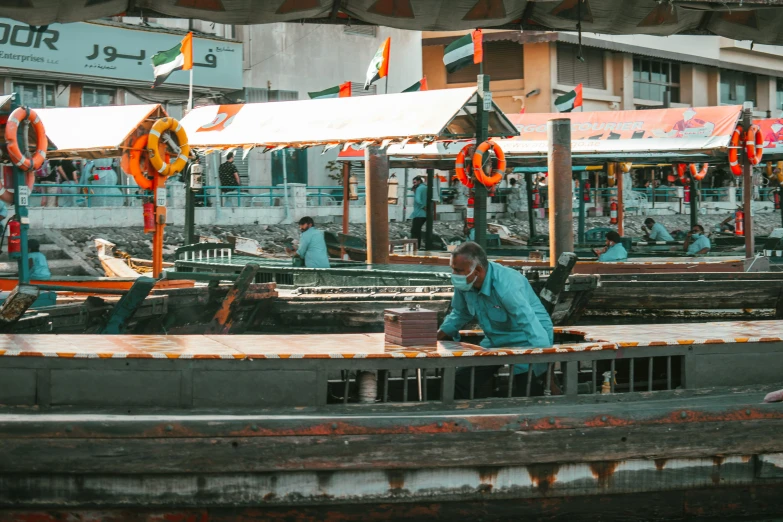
(430, 209)
(483, 106)
(158, 183)
(531, 218)
(376, 176)
(747, 188)
(561, 232)
(346, 204)
(581, 232)
(190, 209)
(620, 200)
(21, 200)
(694, 200)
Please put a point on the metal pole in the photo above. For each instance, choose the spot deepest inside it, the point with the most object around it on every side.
(561, 213)
(21, 196)
(158, 182)
(190, 209)
(285, 187)
(483, 105)
(694, 201)
(430, 211)
(346, 204)
(531, 218)
(582, 180)
(376, 175)
(747, 188)
(620, 207)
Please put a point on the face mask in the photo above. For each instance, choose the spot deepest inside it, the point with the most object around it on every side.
(461, 282)
(695, 235)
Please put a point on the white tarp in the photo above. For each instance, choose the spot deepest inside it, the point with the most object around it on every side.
(101, 130)
(418, 116)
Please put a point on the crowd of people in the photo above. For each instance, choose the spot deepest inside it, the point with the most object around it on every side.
(76, 183)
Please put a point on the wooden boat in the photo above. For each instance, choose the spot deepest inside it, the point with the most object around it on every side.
(347, 426)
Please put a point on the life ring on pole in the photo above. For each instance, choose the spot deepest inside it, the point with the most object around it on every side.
(132, 161)
(41, 142)
(734, 146)
(754, 145)
(499, 170)
(681, 169)
(158, 162)
(698, 174)
(459, 166)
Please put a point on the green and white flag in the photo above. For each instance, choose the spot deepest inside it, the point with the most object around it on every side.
(463, 52)
(338, 91)
(570, 100)
(421, 85)
(178, 58)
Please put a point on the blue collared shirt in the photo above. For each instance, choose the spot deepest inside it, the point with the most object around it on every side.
(419, 202)
(659, 233)
(40, 270)
(615, 252)
(312, 248)
(507, 310)
(700, 243)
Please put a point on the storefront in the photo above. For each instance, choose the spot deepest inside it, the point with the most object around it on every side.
(107, 63)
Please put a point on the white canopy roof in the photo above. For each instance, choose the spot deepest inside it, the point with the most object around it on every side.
(95, 132)
(413, 116)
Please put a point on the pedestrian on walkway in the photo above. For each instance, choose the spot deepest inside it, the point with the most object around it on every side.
(419, 214)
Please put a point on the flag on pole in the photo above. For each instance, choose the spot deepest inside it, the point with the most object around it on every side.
(570, 100)
(338, 91)
(379, 65)
(464, 51)
(178, 58)
(421, 85)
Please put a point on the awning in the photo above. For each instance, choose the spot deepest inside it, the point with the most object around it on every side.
(755, 20)
(772, 131)
(410, 117)
(685, 134)
(97, 132)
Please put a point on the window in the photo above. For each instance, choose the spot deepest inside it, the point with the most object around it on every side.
(502, 61)
(779, 94)
(35, 95)
(737, 87)
(652, 78)
(572, 71)
(92, 97)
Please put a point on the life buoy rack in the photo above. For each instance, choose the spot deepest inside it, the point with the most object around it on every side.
(734, 147)
(159, 162)
(497, 172)
(459, 166)
(754, 145)
(18, 158)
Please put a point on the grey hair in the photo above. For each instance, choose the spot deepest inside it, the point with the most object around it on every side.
(472, 252)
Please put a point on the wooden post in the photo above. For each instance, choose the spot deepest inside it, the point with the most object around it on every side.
(160, 225)
(226, 317)
(581, 230)
(747, 188)
(376, 176)
(531, 218)
(126, 307)
(620, 206)
(346, 204)
(430, 210)
(561, 232)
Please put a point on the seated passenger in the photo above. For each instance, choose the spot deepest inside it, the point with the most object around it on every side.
(39, 268)
(614, 250)
(657, 232)
(696, 243)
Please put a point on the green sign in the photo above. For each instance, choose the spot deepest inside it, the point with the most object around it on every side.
(107, 51)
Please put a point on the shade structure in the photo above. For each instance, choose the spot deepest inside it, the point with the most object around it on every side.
(391, 118)
(97, 132)
(755, 20)
(772, 132)
(681, 134)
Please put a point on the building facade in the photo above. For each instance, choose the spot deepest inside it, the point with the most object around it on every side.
(530, 69)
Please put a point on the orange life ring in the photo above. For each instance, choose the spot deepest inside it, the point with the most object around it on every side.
(734, 146)
(754, 145)
(497, 172)
(459, 166)
(137, 155)
(681, 174)
(41, 142)
(697, 174)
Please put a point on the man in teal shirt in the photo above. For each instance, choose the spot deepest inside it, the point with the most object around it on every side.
(312, 245)
(696, 243)
(506, 308)
(39, 267)
(419, 214)
(614, 250)
(657, 232)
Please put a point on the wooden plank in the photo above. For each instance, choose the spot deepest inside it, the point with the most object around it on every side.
(227, 317)
(16, 304)
(127, 306)
(243, 454)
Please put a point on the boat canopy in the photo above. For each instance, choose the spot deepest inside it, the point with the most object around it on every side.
(412, 117)
(103, 132)
(758, 21)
